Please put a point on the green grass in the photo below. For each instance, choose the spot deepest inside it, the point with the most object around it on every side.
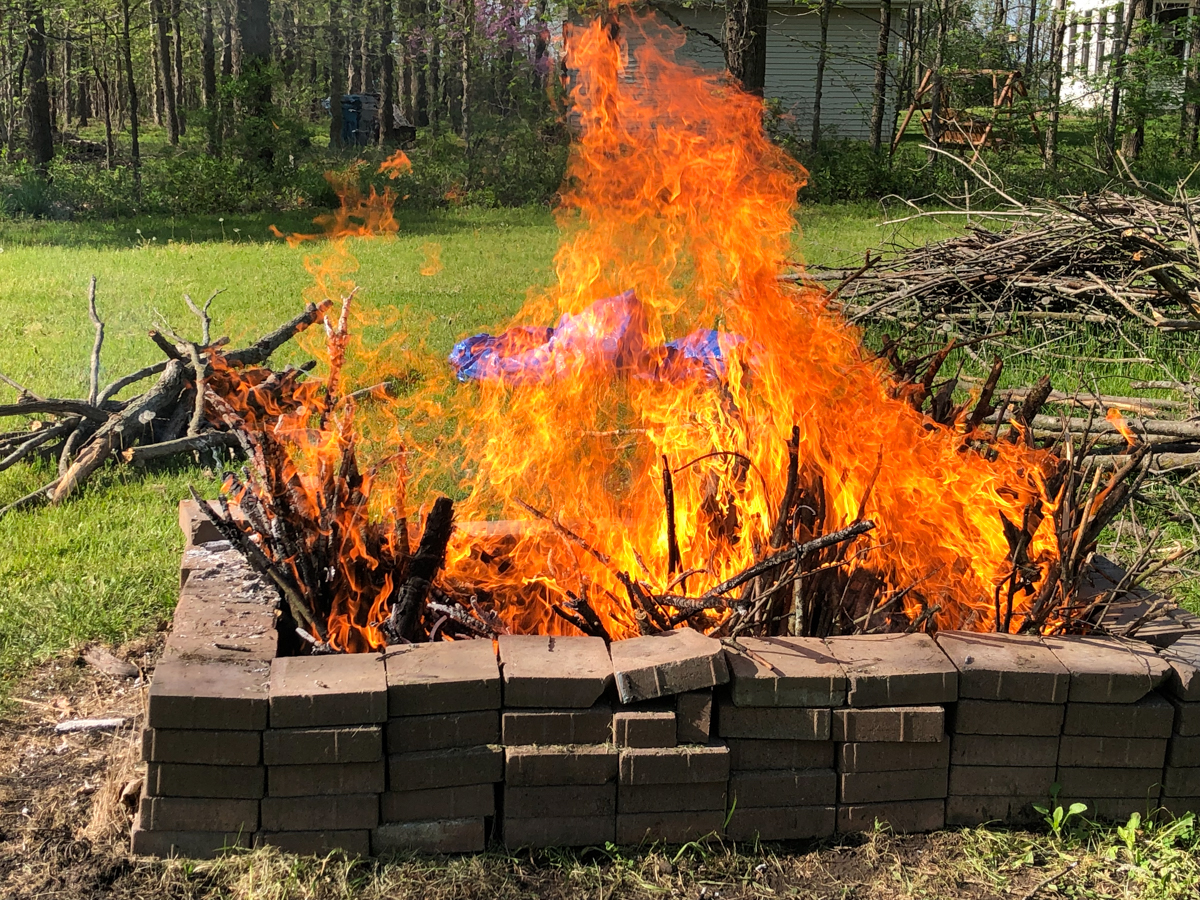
(103, 565)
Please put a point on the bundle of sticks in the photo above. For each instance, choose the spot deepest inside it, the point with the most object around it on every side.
(173, 416)
(1103, 260)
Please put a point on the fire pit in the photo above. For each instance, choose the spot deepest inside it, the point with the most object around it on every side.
(561, 741)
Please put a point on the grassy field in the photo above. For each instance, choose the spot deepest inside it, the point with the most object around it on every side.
(102, 566)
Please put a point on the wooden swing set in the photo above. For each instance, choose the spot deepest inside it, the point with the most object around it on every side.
(961, 128)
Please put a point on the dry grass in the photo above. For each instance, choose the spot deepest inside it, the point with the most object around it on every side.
(64, 833)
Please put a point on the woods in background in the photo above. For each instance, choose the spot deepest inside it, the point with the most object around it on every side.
(237, 93)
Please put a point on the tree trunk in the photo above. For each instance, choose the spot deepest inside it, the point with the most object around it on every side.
(288, 56)
(1029, 79)
(421, 68)
(436, 94)
(1191, 97)
(131, 88)
(109, 147)
(1118, 74)
(254, 40)
(68, 95)
(337, 72)
(37, 100)
(1134, 136)
(879, 92)
(465, 106)
(387, 74)
(1058, 29)
(177, 45)
(939, 56)
(822, 58)
(165, 79)
(746, 43)
(208, 75)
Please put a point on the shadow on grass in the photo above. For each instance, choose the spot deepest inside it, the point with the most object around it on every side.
(254, 228)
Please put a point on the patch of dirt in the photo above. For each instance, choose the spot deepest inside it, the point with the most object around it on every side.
(64, 833)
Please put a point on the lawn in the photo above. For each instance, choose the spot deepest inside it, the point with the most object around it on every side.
(103, 566)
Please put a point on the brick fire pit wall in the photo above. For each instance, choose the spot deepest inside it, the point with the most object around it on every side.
(558, 741)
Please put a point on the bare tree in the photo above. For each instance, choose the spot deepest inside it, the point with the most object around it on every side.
(337, 73)
(208, 74)
(37, 93)
(1058, 30)
(163, 55)
(746, 43)
(1190, 120)
(879, 91)
(822, 59)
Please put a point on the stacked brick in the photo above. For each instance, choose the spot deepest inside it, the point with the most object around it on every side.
(777, 722)
(1181, 776)
(890, 737)
(560, 784)
(1116, 727)
(324, 753)
(443, 742)
(673, 777)
(1012, 696)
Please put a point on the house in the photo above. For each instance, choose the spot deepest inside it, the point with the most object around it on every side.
(793, 40)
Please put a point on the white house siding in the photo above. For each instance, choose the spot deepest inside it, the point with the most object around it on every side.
(793, 38)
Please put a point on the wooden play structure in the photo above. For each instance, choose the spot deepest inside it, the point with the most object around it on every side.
(960, 128)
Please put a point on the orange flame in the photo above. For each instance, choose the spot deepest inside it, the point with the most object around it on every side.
(1118, 422)
(396, 165)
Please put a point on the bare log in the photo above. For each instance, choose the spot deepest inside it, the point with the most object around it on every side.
(260, 351)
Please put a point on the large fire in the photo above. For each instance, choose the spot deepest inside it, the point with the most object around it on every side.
(678, 207)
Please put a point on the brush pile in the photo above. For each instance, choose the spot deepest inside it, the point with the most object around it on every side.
(1103, 260)
(175, 416)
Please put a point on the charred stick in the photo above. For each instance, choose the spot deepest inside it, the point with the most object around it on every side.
(783, 519)
(133, 377)
(1034, 400)
(38, 439)
(462, 617)
(570, 535)
(261, 350)
(209, 440)
(674, 562)
(429, 558)
(573, 619)
(826, 540)
(984, 405)
(165, 345)
(55, 407)
(583, 609)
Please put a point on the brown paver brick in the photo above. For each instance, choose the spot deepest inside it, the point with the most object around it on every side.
(534, 766)
(1003, 750)
(642, 798)
(688, 764)
(1001, 781)
(783, 787)
(1110, 752)
(1187, 719)
(1105, 670)
(463, 802)
(674, 827)
(886, 787)
(208, 695)
(909, 817)
(444, 731)
(195, 814)
(186, 780)
(781, 823)
(427, 769)
(317, 843)
(209, 748)
(1150, 717)
(192, 844)
(1178, 806)
(693, 717)
(1119, 809)
(785, 671)
(196, 527)
(1005, 667)
(559, 831)
(766, 754)
(644, 729)
(1183, 751)
(1004, 718)
(894, 756)
(442, 677)
(962, 810)
(226, 611)
(1183, 657)
(1181, 782)
(773, 723)
(339, 812)
(660, 665)
(319, 780)
(918, 724)
(558, 726)
(464, 835)
(561, 800)
(311, 746)
(1084, 783)
(338, 689)
(544, 671)
(895, 670)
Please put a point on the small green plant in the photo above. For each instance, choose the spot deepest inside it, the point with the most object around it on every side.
(1058, 819)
